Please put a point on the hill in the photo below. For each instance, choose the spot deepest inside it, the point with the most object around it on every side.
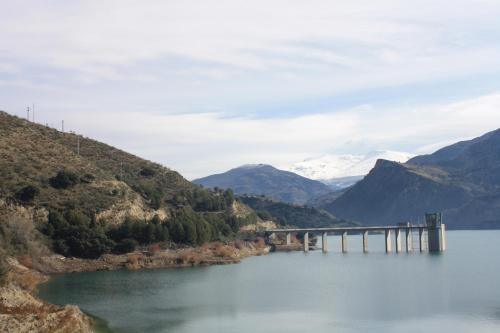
(293, 215)
(262, 179)
(462, 180)
(89, 198)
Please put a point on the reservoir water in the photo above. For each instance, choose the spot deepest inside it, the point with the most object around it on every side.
(457, 291)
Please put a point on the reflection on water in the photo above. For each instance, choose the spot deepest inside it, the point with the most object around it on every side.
(298, 292)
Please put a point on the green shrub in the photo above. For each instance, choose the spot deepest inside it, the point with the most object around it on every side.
(147, 172)
(264, 215)
(125, 246)
(64, 179)
(27, 193)
(140, 231)
(74, 234)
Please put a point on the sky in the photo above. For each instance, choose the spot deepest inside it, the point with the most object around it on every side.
(204, 86)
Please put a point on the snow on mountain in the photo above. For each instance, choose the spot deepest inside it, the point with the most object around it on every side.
(329, 167)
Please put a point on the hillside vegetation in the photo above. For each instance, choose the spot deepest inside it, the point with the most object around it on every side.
(99, 199)
(292, 215)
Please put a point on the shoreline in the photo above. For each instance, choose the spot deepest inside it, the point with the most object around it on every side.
(214, 253)
(21, 309)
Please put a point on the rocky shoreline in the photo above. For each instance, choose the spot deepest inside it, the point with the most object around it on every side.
(22, 311)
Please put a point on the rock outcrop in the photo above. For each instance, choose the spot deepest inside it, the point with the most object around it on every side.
(21, 311)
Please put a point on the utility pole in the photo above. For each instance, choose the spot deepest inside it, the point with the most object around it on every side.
(28, 113)
(62, 126)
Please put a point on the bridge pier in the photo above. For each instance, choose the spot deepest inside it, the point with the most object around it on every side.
(409, 240)
(436, 235)
(324, 242)
(365, 241)
(344, 241)
(388, 241)
(398, 240)
(306, 242)
(288, 238)
(421, 239)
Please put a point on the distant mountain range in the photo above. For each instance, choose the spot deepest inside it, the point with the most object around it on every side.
(341, 171)
(263, 179)
(461, 180)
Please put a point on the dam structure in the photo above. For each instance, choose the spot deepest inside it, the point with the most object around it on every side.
(429, 236)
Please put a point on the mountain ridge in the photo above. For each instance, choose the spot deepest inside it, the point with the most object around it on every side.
(264, 179)
(461, 180)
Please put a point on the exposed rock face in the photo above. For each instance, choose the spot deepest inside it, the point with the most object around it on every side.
(264, 225)
(21, 311)
(134, 208)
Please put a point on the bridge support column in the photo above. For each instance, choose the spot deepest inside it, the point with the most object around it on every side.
(409, 240)
(443, 237)
(344, 241)
(365, 241)
(398, 240)
(421, 239)
(288, 238)
(306, 242)
(388, 241)
(437, 241)
(324, 242)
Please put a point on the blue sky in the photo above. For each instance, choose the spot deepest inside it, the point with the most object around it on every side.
(203, 86)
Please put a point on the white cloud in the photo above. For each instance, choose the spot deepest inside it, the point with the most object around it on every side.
(95, 37)
(161, 77)
(200, 144)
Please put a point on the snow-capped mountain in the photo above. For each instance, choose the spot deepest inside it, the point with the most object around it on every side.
(344, 169)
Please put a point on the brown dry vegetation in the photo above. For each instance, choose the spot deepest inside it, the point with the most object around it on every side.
(19, 236)
(260, 242)
(30, 154)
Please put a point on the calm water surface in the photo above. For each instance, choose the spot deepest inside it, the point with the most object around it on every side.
(457, 291)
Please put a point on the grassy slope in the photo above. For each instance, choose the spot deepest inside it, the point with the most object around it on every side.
(32, 153)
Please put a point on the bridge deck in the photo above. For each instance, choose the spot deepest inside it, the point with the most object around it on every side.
(349, 229)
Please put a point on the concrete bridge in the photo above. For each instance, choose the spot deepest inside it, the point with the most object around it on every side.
(430, 234)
